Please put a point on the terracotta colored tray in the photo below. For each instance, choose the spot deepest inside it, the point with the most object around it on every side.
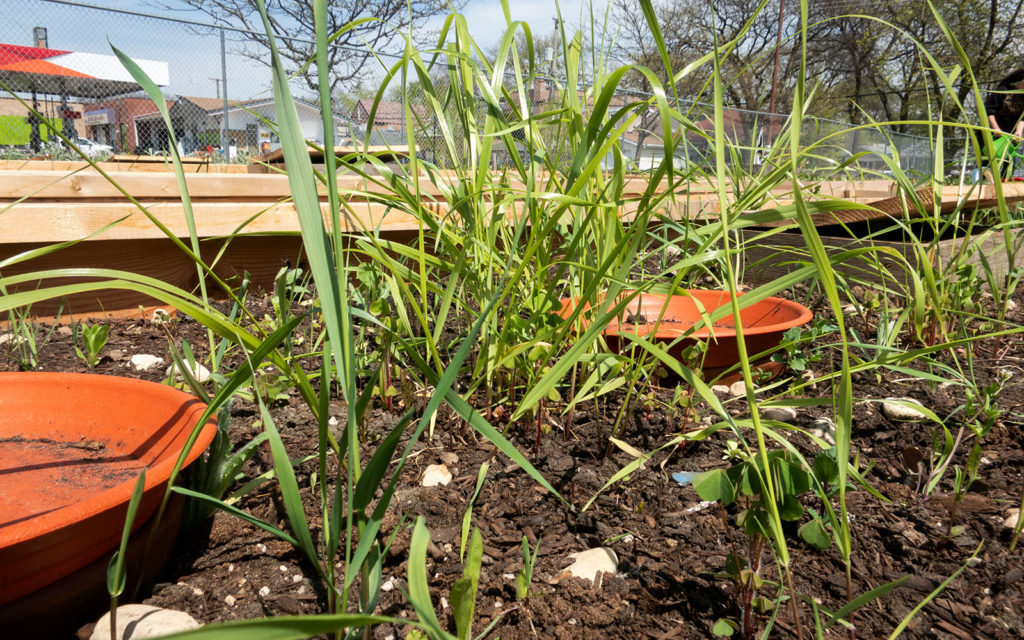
(71, 448)
(763, 323)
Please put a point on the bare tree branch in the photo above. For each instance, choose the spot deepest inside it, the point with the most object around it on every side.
(292, 20)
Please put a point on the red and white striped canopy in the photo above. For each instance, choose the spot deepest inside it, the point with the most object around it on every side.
(70, 73)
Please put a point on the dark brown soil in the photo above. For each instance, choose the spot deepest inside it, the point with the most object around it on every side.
(672, 547)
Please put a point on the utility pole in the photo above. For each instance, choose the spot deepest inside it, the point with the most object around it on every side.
(217, 80)
(225, 142)
(778, 47)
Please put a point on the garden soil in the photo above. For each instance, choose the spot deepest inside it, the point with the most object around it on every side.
(671, 547)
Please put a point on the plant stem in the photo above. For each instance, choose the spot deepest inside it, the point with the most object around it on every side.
(572, 409)
(794, 607)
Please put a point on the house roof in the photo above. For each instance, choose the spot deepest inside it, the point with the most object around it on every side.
(209, 104)
(387, 112)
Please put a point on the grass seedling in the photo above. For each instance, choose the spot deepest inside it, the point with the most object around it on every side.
(23, 337)
(468, 516)
(463, 594)
(524, 577)
(962, 482)
(116, 572)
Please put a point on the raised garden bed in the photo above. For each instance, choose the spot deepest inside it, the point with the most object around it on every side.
(672, 547)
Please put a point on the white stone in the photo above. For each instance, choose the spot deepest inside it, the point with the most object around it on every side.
(297, 578)
(738, 388)
(137, 621)
(444, 603)
(10, 337)
(264, 591)
(159, 316)
(1012, 518)
(436, 475)
(283, 568)
(388, 584)
(65, 331)
(779, 414)
(200, 373)
(145, 361)
(807, 377)
(895, 411)
(1010, 305)
(700, 506)
(590, 564)
(230, 600)
(824, 429)
(720, 390)
(332, 422)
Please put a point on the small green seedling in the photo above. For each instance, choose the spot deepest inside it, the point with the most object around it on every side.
(89, 342)
(525, 576)
(463, 594)
(799, 346)
(962, 482)
(116, 572)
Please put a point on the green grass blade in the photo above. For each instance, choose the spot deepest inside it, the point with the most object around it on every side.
(116, 572)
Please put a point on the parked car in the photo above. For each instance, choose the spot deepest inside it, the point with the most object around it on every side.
(93, 149)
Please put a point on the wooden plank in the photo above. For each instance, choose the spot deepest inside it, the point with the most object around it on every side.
(769, 257)
(90, 184)
(163, 160)
(61, 220)
(68, 166)
(317, 155)
(259, 257)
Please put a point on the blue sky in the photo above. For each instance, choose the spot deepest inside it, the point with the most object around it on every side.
(194, 59)
(487, 22)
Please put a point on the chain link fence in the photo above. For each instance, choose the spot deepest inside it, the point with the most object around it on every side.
(59, 73)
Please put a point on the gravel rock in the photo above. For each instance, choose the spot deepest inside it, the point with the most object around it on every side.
(825, 429)
(1012, 518)
(449, 458)
(137, 621)
(590, 564)
(895, 411)
(721, 390)
(779, 414)
(738, 388)
(145, 361)
(807, 376)
(436, 475)
(200, 373)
